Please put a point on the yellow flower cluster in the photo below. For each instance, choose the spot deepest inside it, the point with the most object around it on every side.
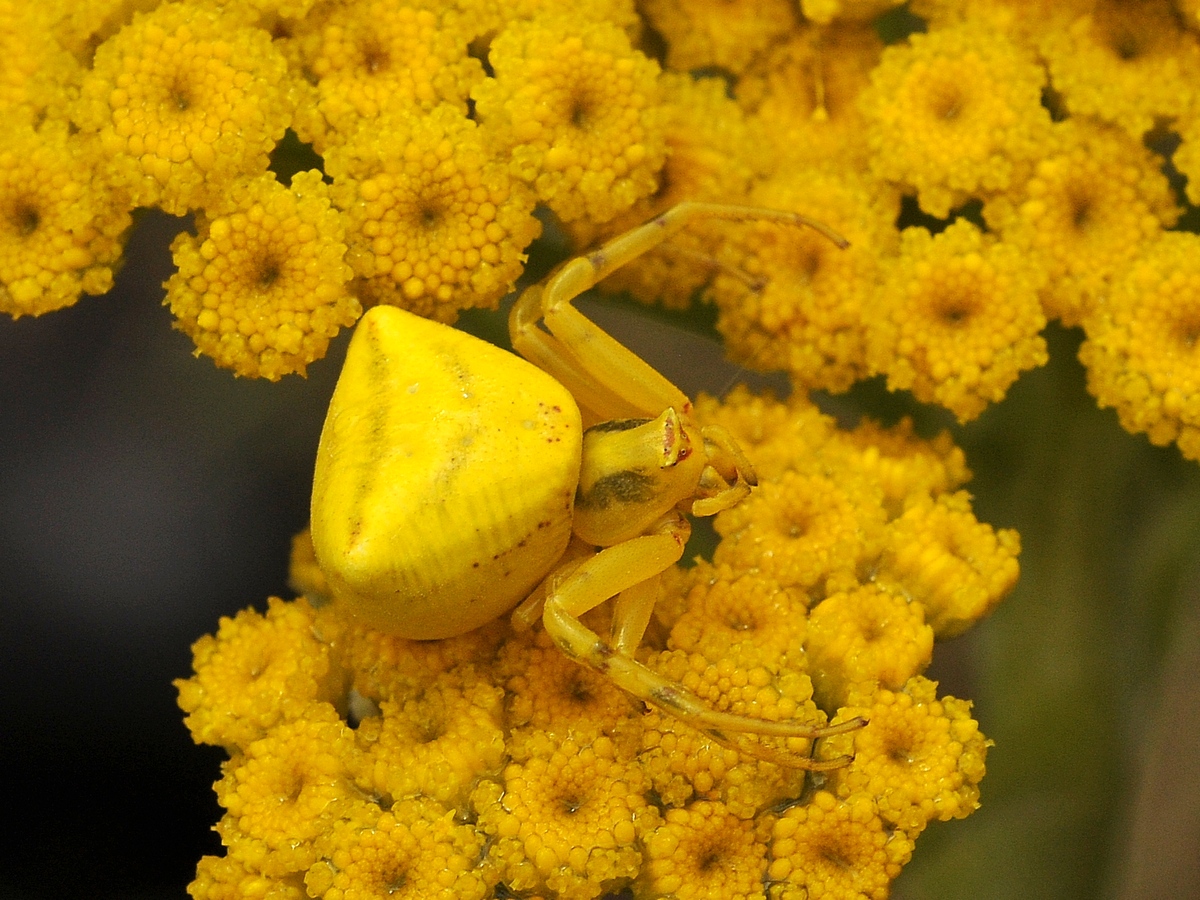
(440, 125)
(362, 764)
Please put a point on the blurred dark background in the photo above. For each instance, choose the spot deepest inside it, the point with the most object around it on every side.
(144, 493)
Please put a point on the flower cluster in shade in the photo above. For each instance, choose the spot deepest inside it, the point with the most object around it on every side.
(998, 165)
(363, 765)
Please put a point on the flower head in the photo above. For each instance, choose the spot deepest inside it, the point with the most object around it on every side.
(435, 224)
(579, 111)
(415, 849)
(1089, 206)
(183, 101)
(955, 113)
(61, 228)
(920, 757)
(705, 852)
(835, 849)
(1143, 346)
(960, 319)
(261, 287)
(717, 33)
(377, 57)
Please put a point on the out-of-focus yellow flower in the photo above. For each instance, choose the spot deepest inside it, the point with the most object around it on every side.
(261, 287)
(415, 848)
(959, 319)
(371, 58)
(61, 229)
(867, 636)
(578, 110)
(435, 224)
(805, 91)
(825, 11)
(568, 818)
(1127, 63)
(919, 757)
(955, 566)
(724, 34)
(1090, 205)
(184, 101)
(1142, 351)
(809, 307)
(437, 742)
(835, 849)
(37, 75)
(285, 792)
(705, 852)
(254, 673)
(908, 468)
(955, 113)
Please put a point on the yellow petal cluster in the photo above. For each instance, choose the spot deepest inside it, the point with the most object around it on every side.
(960, 319)
(953, 113)
(1091, 203)
(184, 101)
(578, 109)
(368, 58)
(919, 757)
(1142, 351)
(723, 34)
(261, 287)
(62, 229)
(491, 764)
(434, 223)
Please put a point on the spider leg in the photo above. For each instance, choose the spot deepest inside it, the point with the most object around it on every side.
(626, 565)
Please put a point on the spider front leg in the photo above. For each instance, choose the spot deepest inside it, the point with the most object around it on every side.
(629, 569)
(605, 376)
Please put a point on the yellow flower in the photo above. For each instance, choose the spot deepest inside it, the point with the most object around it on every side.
(61, 229)
(825, 11)
(919, 757)
(1142, 351)
(568, 818)
(1127, 63)
(724, 34)
(908, 468)
(371, 58)
(835, 849)
(808, 310)
(437, 742)
(183, 101)
(744, 617)
(256, 672)
(955, 113)
(805, 530)
(869, 635)
(261, 287)
(804, 94)
(285, 792)
(578, 110)
(705, 852)
(225, 878)
(959, 319)
(1089, 207)
(414, 849)
(37, 75)
(955, 566)
(435, 224)
(549, 692)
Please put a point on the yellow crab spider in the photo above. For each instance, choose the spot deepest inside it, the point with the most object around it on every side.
(452, 475)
